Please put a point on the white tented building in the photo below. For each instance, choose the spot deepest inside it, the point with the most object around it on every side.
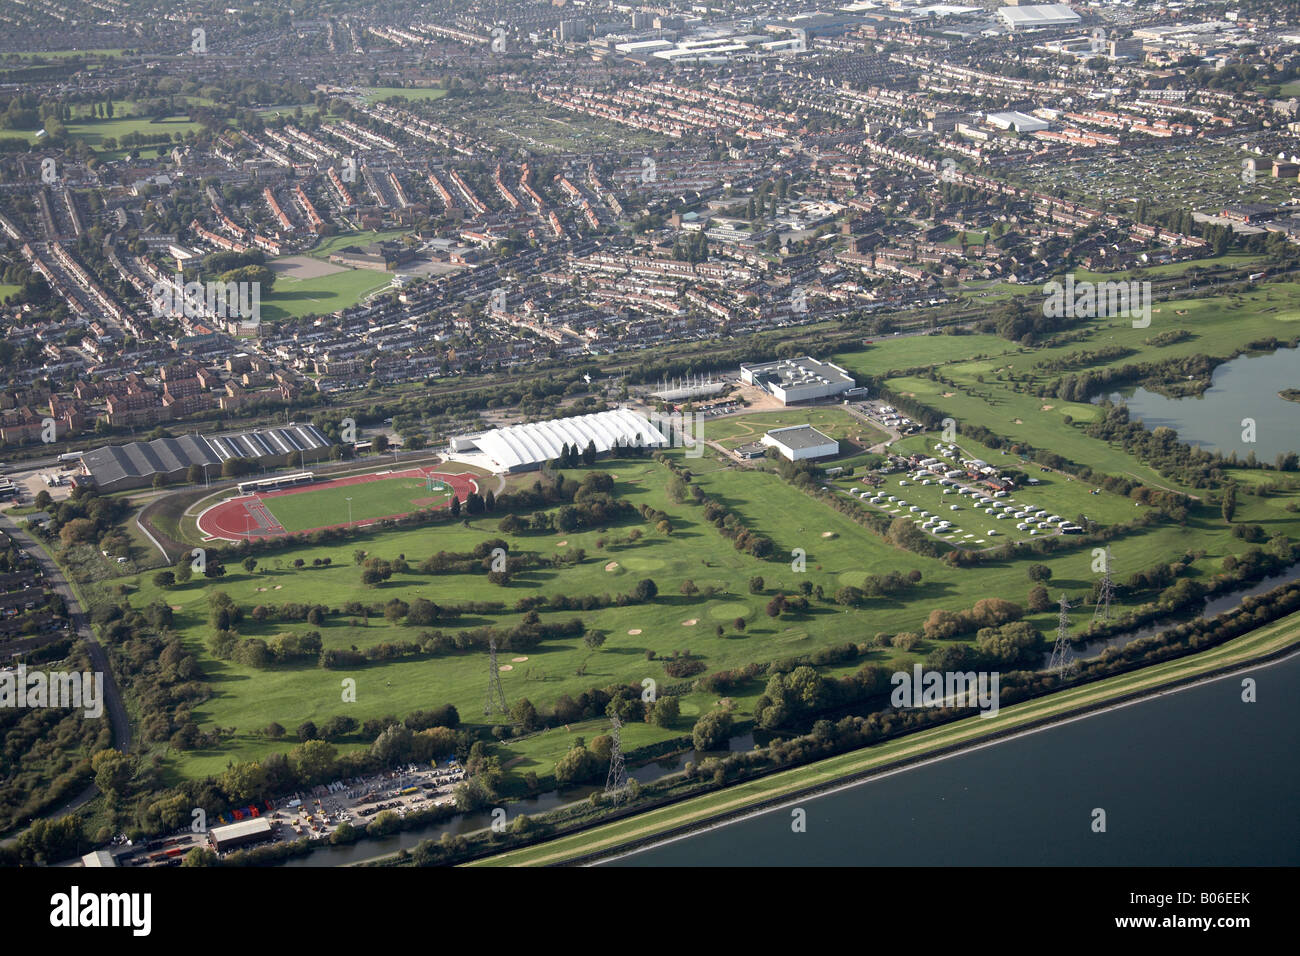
(524, 447)
(799, 442)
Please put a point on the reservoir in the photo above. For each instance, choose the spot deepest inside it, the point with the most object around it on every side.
(1195, 777)
(1246, 387)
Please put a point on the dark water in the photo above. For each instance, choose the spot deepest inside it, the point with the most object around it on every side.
(1195, 777)
(1246, 387)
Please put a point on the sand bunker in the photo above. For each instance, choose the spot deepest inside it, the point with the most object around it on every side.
(691, 623)
(562, 544)
(278, 586)
(519, 660)
(613, 565)
(828, 534)
(949, 394)
(1047, 408)
(261, 589)
(175, 607)
(1017, 422)
(506, 667)
(635, 631)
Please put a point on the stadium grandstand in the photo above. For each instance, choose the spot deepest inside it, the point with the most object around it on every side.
(525, 447)
(276, 481)
(136, 465)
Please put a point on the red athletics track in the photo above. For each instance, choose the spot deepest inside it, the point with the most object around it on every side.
(245, 517)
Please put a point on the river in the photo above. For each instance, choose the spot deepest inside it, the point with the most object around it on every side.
(1195, 777)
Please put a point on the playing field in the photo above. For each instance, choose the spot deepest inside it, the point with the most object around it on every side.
(355, 500)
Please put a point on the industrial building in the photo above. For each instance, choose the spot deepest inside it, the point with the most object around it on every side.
(1020, 122)
(135, 465)
(524, 447)
(234, 835)
(802, 379)
(801, 442)
(1037, 17)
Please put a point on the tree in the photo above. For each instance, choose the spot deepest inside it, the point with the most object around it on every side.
(379, 443)
(593, 639)
(164, 579)
(756, 585)
(645, 590)
(665, 711)
(43, 499)
(1229, 502)
(712, 730)
(689, 588)
(455, 507)
(1039, 599)
(524, 714)
(307, 731)
(113, 772)
(579, 765)
(249, 564)
(1039, 573)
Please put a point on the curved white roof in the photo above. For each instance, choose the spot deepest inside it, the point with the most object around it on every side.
(519, 445)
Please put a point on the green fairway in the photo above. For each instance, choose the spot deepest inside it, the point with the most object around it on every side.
(837, 551)
(608, 838)
(305, 510)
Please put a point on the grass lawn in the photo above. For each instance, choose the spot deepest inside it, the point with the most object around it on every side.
(292, 297)
(93, 132)
(305, 510)
(332, 244)
(834, 422)
(373, 94)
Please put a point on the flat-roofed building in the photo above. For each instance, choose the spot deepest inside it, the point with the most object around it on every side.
(801, 442)
(1039, 16)
(234, 835)
(801, 379)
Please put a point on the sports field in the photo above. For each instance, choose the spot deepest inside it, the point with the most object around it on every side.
(356, 500)
(833, 422)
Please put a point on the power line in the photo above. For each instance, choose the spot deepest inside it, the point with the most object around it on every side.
(1062, 654)
(616, 781)
(496, 695)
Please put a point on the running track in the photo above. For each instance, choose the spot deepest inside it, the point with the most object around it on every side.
(245, 516)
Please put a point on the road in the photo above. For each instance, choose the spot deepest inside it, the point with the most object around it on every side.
(114, 707)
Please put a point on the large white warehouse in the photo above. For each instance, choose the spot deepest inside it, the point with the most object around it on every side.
(522, 447)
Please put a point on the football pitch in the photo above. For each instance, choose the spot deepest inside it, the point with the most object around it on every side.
(382, 498)
(354, 500)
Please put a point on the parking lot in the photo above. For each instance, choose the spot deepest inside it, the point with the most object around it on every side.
(316, 813)
(954, 507)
